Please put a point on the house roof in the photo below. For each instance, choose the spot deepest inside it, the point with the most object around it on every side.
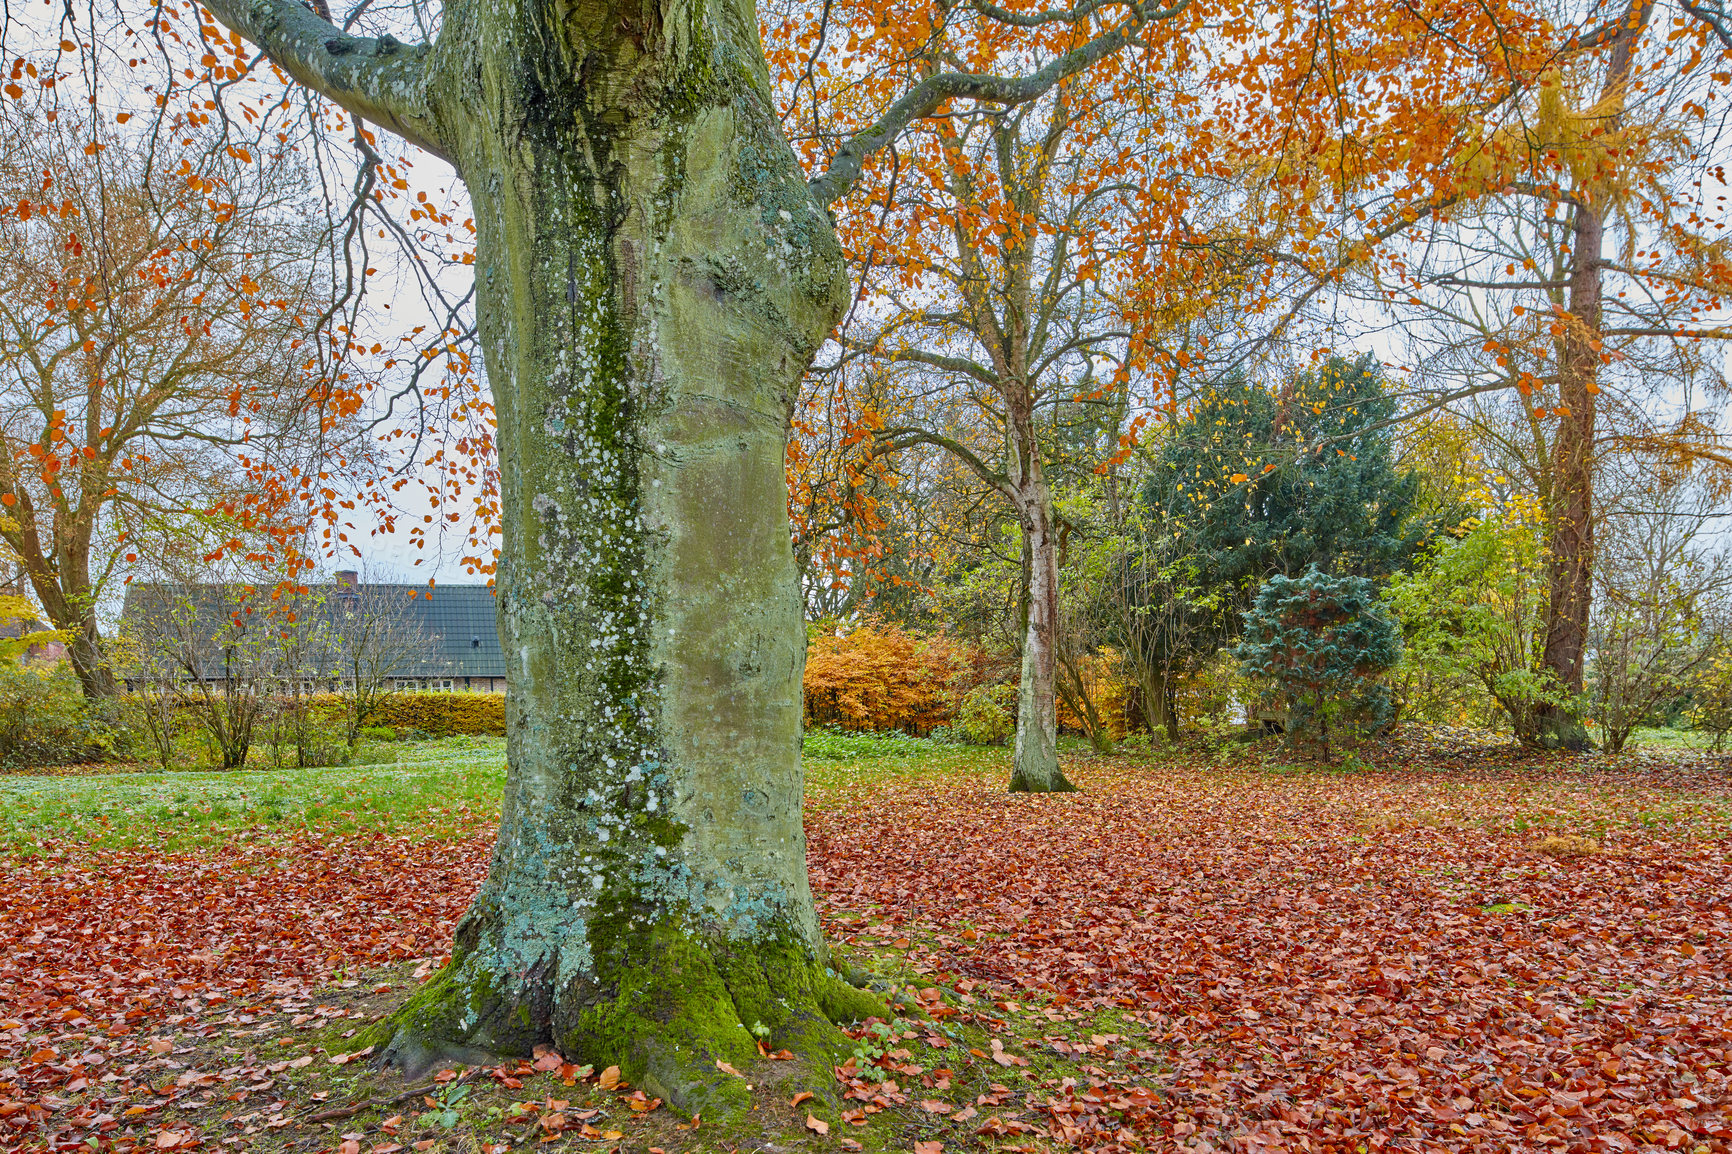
(462, 620)
(459, 620)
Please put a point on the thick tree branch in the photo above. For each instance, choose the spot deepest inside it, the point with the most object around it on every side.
(893, 440)
(380, 80)
(1463, 282)
(925, 98)
(963, 365)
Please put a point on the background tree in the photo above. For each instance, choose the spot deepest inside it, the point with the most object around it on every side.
(1661, 595)
(1251, 484)
(1473, 611)
(147, 671)
(219, 641)
(999, 327)
(375, 636)
(148, 336)
(303, 646)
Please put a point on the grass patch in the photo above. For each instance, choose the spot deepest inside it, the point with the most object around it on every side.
(952, 765)
(1653, 738)
(433, 789)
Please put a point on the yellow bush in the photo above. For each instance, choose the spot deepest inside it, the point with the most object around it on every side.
(440, 714)
(1109, 686)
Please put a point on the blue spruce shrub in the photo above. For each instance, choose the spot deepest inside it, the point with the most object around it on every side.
(1322, 645)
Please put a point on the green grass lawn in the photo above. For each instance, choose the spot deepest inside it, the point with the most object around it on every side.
(452, 788)
(1665, 739)
(443, 788)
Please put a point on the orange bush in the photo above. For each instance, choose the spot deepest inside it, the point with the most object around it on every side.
(878, 676)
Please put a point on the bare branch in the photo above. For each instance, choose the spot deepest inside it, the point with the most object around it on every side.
(894, 440)
(1712, 13)
(380, 80)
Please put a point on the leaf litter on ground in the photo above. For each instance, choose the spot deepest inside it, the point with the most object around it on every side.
(1294, 960)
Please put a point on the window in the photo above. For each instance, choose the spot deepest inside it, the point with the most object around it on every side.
(406, 683)
(439, 684)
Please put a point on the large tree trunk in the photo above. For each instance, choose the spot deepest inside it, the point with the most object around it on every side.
(1035, 767)
(74, 615)
(653, 278)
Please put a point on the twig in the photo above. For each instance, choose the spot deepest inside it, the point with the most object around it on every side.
(356, 1107)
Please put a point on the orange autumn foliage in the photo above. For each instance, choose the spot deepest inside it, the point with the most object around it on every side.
(879, 676)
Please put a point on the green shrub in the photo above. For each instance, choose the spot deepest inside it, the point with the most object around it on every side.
(988, 715)
(378, 733)
(1323, 645)
(46, 720)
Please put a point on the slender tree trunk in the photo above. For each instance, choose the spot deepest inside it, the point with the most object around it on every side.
(653, 279)
(1035, 767)
(1570, 558)
(1165, 707)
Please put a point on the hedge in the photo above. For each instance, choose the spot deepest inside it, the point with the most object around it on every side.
(438, 714)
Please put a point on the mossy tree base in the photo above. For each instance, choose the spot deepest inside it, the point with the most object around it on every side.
(1055, 781)
(666, 1008)
(653, 276)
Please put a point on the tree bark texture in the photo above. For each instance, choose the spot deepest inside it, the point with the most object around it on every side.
(653, 276)
(1035, 767)
(62, 587)
(1570, 559)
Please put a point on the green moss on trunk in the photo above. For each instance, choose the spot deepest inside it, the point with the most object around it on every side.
(653, 277)
(665, 1007)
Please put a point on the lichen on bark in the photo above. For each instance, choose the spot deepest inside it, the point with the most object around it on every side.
(653, 277)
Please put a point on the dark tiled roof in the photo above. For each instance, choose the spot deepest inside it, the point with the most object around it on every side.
(459, 618)
(462, 618)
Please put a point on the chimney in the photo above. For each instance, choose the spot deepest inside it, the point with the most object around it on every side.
(348, 577)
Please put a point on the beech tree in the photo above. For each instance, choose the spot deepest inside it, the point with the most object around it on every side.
(653, 275)
(1006, 327)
